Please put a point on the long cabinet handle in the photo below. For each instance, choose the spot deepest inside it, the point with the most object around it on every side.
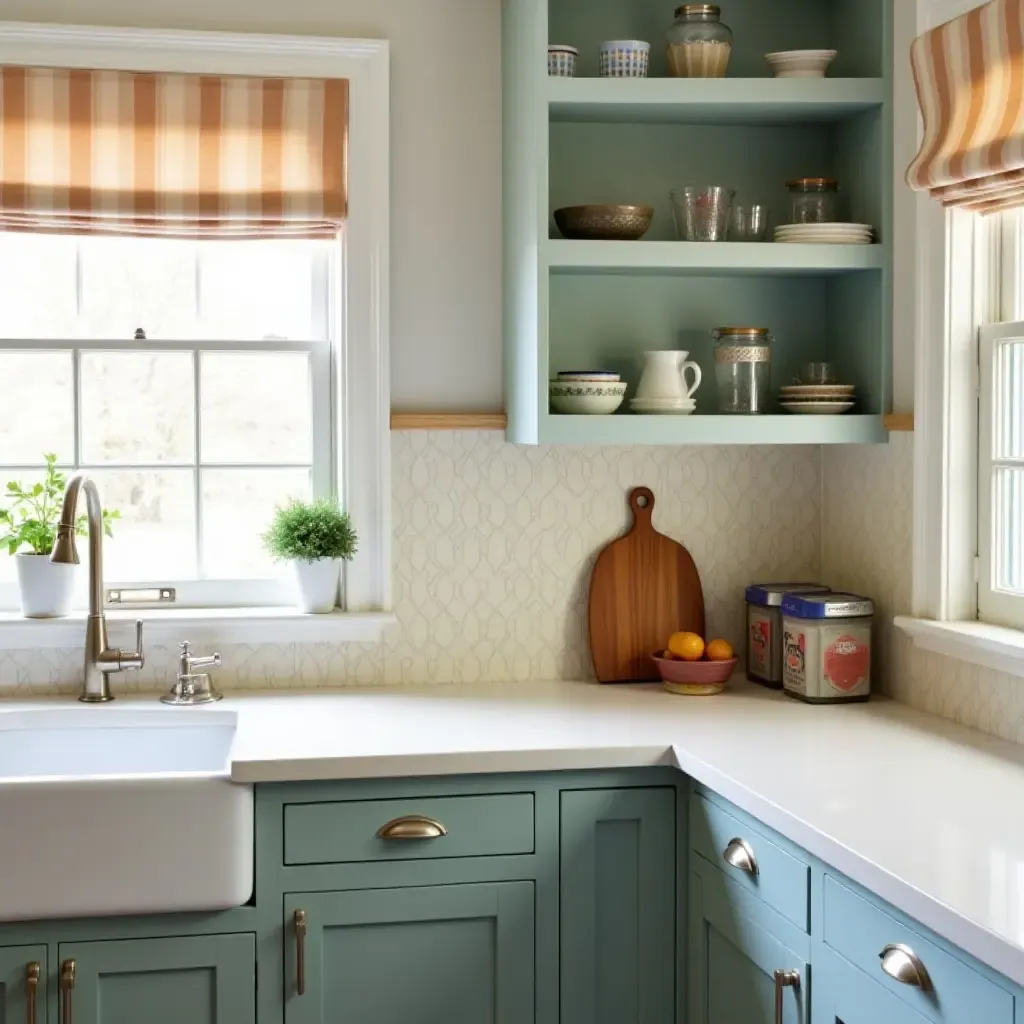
(784, 980)
(902, 964)
(67, 985)
(412, 826)
(299, 919)
(739, 854)
(32, 971)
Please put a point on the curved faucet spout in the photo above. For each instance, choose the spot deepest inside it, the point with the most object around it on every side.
(65, 549)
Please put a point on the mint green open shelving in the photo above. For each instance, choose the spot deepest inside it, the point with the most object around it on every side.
(573, 304)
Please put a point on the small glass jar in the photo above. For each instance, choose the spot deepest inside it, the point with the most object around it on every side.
(743, 362)
(699, 45)
(813, 200)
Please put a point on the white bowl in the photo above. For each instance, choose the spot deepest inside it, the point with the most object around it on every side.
(586, 405)
(800, 63)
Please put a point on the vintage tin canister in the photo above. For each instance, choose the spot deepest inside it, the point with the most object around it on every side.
(826, 655)
(764, 628)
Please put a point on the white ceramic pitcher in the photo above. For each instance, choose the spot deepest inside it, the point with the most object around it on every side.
(664, 377)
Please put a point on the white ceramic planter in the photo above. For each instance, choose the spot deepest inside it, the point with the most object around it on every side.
(46, 589)
(318, 584)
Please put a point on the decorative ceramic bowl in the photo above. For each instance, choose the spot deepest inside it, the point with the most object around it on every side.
(800, 63)
(605, 223)
(562, 61)
(624, 58)
(694, 678)
(585, 399)
(592, 376)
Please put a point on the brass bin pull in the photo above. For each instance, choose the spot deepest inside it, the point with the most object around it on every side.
(902, 964)
(784, 980)
(412, 826)
(31, 986)
(67, 984)
(299, 918)
(740, 854)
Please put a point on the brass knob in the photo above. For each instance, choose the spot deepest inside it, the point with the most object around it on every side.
(412, 826)
(902, 964)
(67, 984)
(32, 971)
(739, 854)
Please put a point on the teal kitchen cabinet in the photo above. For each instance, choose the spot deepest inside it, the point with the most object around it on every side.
(618, 906)
(22, 984)
(847, 995)
(739, 950)
(429, 955)
(198, 979)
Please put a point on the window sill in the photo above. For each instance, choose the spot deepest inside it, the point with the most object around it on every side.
(994, 647)
(201, 626)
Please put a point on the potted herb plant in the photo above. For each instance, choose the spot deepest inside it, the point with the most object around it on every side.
(30, 521)
(315, 537)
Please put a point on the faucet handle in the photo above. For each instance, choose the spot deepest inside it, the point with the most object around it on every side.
(133, 659)
(188, 663)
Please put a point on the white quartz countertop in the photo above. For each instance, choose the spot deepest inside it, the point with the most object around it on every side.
(923, 812)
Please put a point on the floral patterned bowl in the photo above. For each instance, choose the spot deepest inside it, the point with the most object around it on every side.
(578, 398)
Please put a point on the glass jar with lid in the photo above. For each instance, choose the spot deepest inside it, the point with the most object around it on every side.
(813, 200)
(743, 361)
(699, 45)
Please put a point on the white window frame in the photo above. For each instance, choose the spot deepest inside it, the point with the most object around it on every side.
(362, 451)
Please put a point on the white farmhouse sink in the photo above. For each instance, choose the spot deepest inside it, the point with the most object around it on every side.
(121, 810)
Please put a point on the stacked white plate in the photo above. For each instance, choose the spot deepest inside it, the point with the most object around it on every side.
(664, 406)
(826, 234)
(817, 399)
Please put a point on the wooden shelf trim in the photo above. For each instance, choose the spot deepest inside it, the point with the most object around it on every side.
(899, 421)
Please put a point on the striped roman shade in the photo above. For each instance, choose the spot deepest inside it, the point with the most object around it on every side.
(970, 85)
(118, 152)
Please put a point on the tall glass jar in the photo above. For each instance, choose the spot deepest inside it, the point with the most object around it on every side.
(743, 362)
(813, 200)
(699, 45)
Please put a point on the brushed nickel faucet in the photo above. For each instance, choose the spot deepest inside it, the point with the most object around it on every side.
(101, 661)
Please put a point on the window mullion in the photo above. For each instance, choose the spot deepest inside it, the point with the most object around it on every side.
(197, 475)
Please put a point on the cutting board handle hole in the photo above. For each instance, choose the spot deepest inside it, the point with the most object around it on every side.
(641, 500)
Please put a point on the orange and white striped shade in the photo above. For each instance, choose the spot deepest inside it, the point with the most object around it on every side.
(970, 86)
(119, 152)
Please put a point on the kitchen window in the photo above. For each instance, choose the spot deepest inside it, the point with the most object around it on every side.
(206, 368)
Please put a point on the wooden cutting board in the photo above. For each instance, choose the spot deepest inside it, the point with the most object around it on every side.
(645, 587)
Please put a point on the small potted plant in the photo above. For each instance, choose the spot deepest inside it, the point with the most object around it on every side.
(30, 521)
(315, 537)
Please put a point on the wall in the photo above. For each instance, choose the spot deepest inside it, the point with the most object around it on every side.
(867, 529)
(446, 167)
(493, 545)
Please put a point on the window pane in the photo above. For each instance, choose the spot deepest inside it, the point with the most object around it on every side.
(1008, 407)
(36, 407)
(155, 538)
(255, 289)
(257, 407)
(237, 506)
(129, 283)
(137, 407)
(38, 293)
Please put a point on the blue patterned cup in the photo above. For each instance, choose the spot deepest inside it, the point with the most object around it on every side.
(562, 61)
(624, 58)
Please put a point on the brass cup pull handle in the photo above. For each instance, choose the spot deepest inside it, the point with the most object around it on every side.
(32, 971)
(299, 919)
(412, 826)
(784, 980)
(67, 984)
(739, 854)
(902, 964)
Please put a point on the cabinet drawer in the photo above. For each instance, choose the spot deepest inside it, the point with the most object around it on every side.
(347, 831)
(774, 875)
(859, 931)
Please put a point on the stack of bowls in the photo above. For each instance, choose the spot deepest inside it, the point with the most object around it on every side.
(800, 63)
(624, 58)
(586, 393)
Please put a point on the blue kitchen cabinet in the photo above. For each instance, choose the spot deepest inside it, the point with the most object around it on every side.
(198, 979)
(22, 984)
(429, 955)
(846, 995)
(618, 906)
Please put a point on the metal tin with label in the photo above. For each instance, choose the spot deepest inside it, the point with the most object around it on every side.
(826, 656)
(764, 628)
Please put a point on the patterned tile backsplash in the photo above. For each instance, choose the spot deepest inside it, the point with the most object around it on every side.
(493, 546)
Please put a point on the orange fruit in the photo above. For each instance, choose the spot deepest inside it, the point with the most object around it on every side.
(719, 650)
(687, 646)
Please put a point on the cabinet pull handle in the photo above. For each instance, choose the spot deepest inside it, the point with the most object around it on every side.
(300, 951)
(31, 985)
(739, 854)
(412, 826)
(67, 984)
(902, 964)
(784, 980)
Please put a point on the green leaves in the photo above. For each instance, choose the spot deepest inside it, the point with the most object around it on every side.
(309, 530)
(33, 513)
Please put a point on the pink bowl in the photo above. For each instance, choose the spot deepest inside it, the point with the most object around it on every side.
(698, 673)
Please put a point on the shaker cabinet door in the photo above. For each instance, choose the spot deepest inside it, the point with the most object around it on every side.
(23, 984)
(844, 994)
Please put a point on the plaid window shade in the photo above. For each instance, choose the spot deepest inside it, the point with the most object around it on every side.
(970, 86)
(117, 152)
